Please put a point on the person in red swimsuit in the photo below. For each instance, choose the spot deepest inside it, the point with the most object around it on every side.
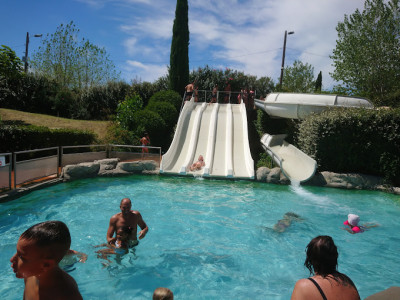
(145, 141)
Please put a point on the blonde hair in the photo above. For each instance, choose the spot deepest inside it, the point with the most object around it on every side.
(163, 293)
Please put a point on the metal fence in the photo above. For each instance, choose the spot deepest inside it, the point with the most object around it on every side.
(23, 167)
(5, 170)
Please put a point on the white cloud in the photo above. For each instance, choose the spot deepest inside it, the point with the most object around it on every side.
(144, 72)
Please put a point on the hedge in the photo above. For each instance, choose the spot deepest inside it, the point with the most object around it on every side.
(354, 140)
(19, 138)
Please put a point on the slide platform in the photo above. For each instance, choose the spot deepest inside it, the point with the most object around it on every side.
(218, 132)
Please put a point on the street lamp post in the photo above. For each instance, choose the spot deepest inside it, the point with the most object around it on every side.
(283, 55)
(26, 49)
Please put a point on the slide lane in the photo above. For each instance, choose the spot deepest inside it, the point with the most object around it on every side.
(216, 132)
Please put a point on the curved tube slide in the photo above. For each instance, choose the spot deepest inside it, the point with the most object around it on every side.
(216, 131)
(294, 163)
(299, 106)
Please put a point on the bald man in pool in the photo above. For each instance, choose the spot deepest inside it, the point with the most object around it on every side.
(129, 218)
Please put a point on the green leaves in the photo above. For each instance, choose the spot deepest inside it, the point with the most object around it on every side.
(367, 53)
(73, 63)
(299, 78)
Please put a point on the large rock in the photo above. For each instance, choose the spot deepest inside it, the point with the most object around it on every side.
(351, 180)
(108, 167)
(79, 171)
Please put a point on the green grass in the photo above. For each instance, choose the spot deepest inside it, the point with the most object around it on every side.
(98, 127)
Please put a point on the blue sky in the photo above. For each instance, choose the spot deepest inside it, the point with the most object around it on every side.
(237, 34)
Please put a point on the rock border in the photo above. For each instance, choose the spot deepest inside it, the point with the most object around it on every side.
(112, 167)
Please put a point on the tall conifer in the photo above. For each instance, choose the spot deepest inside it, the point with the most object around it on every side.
(179, 57)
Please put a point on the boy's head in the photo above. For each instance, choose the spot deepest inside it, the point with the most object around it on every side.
(124, 233)
(40, 248)
(163, 293)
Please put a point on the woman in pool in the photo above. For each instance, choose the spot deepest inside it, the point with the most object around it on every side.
(327, 282)
(118, 245)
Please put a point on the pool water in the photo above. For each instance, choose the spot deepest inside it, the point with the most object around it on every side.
(208, 239)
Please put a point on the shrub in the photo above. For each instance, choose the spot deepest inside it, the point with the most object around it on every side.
(166, 111)
(126, 111)
(354, 140)
(150, 122)
(167, 96)
(19, 138)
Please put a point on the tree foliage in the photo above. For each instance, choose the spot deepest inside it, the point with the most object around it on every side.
(179, 57)
(207, 77)
(298, 78)
(73, 63)
(367, 53)
(10, 76)
(318, 83)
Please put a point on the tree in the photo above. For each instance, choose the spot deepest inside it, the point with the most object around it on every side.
(73, 63)
(179, 57)
(367, 53)
(298, 78)
(10, 76)
(318, 83)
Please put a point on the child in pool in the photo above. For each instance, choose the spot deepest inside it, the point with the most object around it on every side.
(39, 251)
(118, 245)
(353, 227)
(163, 293)
(70, 259)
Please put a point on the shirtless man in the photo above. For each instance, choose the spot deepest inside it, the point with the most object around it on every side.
(129, 218)
(189, 90)
(214, 94)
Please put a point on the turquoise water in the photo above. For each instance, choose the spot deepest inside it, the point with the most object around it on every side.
(208, 239)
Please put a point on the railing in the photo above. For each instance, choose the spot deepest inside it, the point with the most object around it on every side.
(5, 170)
(42, 165)
(222, 97)
(28, 166)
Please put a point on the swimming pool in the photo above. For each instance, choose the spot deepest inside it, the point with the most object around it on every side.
(208, 239)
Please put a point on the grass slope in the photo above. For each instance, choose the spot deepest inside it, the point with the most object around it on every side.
(98, 127)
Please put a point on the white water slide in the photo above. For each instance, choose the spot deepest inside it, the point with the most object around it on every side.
(295, 164)
(216, 131)
(298, 106)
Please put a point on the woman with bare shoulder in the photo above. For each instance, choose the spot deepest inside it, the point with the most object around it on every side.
(327, 282)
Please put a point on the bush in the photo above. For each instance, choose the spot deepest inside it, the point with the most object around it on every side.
(354, 140)
(126, 111)
(18, 138)
(167, 96)
(166, 111)
(150, 122)
(101, 101)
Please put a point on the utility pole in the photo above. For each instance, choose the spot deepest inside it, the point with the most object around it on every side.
(26, 52)
(283, 55)
(26, 49)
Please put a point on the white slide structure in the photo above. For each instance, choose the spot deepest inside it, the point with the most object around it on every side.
(299, 106)
(294, 163)
(216, 131)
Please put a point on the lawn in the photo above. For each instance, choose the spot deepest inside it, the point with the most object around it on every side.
(98, 127)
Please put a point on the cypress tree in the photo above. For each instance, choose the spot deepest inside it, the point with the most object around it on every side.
(318, 82)
(179, 57)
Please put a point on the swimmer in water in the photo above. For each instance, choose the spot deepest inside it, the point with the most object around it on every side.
(285, 222)
(353, 227)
